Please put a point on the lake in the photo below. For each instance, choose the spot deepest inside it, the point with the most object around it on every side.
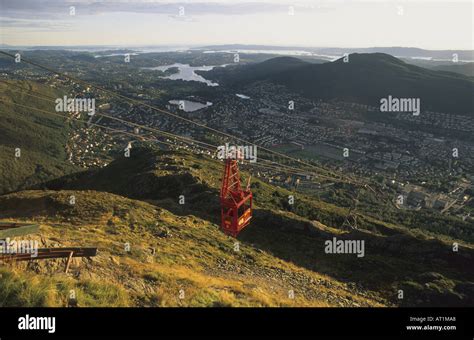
(186, 72)
(243, 96)
(190, 106)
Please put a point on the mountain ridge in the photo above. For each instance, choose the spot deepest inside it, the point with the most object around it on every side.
(365, 79)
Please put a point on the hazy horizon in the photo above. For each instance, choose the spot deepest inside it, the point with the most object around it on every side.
(432, 25)
(231, 43)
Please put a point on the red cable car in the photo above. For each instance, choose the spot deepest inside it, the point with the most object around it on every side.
(236, 203)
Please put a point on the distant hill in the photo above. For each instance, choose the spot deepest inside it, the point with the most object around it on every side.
(407, 52)
(250, 47)
(255, 72)
(398, 51)
(365, 79)
(466, 69)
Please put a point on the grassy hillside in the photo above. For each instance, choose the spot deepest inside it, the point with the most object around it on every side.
(41, 137)
(396, 256)
(168, 253)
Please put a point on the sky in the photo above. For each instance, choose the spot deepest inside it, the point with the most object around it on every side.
(429, 24)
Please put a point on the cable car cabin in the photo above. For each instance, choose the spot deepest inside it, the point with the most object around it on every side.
(236, 203)
(235, 217)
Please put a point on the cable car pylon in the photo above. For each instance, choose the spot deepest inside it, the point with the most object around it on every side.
(236, 203)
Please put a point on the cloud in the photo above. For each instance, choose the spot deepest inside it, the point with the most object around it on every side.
(36, 24)
(49, 13)
(54, 8)
(316, 22)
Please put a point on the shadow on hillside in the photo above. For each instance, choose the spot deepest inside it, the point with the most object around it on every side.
(204, 206)
(387, 261)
